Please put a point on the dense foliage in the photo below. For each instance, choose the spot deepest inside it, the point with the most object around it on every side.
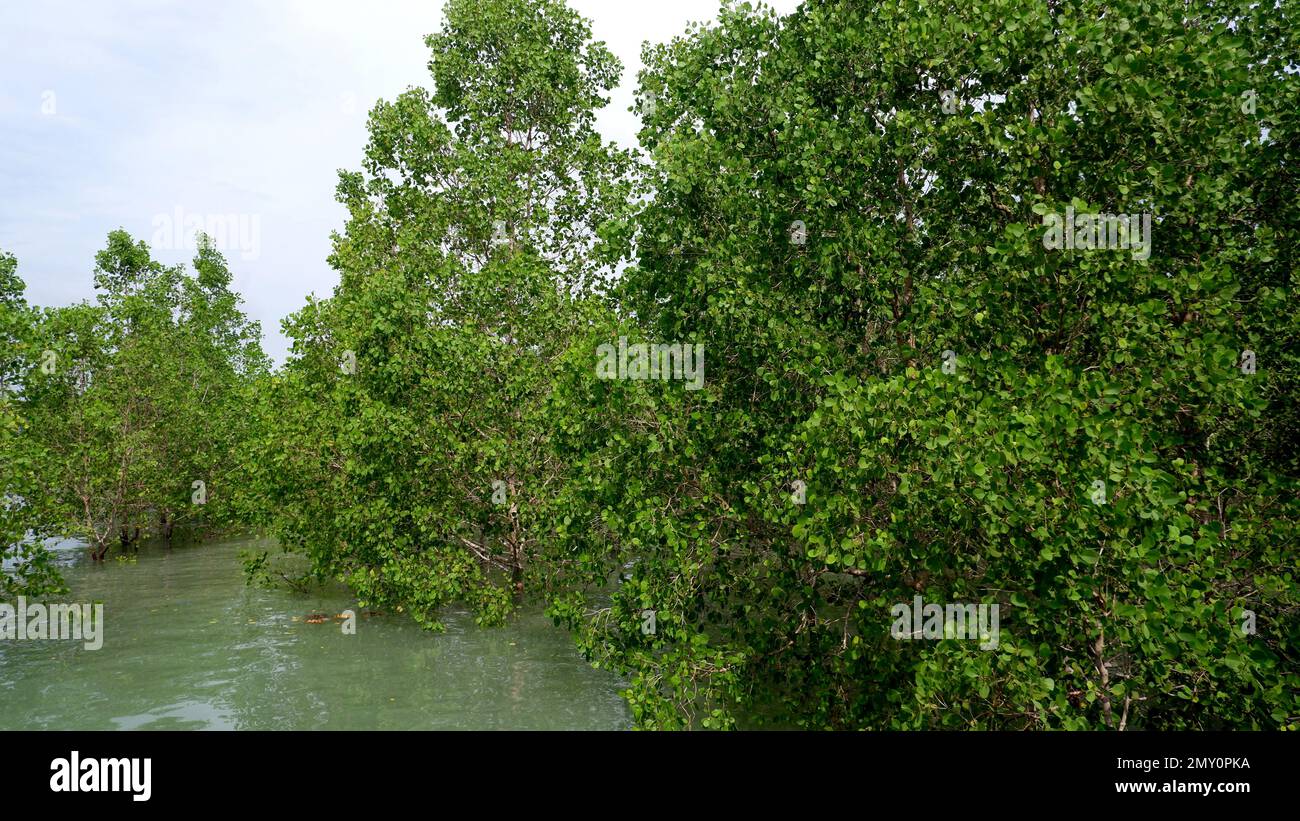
(973, 482)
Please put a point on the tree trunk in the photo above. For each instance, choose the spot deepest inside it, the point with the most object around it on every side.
(127, 540)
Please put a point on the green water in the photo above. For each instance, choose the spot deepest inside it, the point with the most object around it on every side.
(188, 646)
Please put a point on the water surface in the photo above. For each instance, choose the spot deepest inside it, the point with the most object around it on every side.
(187, 645)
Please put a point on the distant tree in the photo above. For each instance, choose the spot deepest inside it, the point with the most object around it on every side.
(139, 409)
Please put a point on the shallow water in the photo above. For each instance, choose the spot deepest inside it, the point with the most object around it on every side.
(187, 645)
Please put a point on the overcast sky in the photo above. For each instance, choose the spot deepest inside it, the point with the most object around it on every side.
(116, 114)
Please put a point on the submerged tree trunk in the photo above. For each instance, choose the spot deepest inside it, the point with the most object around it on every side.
(517, 581)
(126, 540)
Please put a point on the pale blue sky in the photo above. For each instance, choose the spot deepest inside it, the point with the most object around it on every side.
(113, 114)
